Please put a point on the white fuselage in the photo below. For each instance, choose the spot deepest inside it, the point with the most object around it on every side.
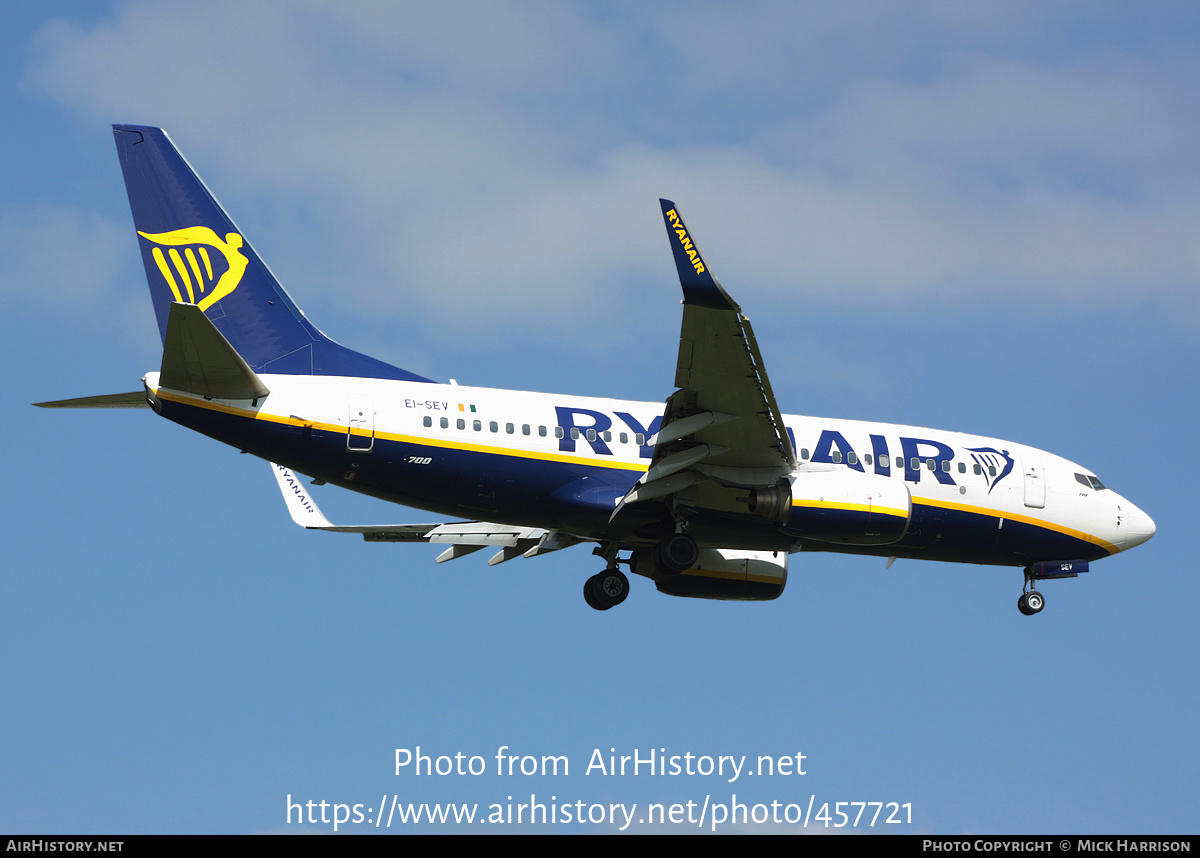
(435, 439)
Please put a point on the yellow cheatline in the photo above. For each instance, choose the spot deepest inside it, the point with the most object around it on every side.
(729, 576)
(406, 439)
(851, 507)
(1024, 519)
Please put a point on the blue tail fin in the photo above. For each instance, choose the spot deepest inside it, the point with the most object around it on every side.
(194, 254)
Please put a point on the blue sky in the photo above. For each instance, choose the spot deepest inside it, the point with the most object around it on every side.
(979, 219)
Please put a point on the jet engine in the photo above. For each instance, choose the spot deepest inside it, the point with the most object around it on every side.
(724, 573)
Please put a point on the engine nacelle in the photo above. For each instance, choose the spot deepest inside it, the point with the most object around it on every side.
(849, 507)
(726, 573)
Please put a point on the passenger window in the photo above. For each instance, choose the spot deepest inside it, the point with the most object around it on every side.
(444, 423)
(574, 434)
(978, 469)
(624, 436)
(542, 432)
(962, 467)
(931, 464)
(494, 426)
(558, 432)
(477, 425)
(899, 461)
(867, 458)
(852, 457)
(509, 428)
(992, 470)
(462, 424)
(945, 466)
(607, 436)
(525, 429)
(915, 464)
(428, 421)
(591, 434)
(639, 439)
(804, 453)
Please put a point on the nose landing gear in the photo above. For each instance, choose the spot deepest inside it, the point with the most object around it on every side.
(1031, 601)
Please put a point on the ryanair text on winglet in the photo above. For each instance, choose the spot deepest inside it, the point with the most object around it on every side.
(685, 242)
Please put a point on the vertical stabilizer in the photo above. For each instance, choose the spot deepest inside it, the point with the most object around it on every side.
(194, 254)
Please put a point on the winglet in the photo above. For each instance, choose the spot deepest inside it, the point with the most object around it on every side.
(700, 287)
(304, 510)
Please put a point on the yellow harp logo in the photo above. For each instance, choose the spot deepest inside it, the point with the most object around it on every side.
(189, 262)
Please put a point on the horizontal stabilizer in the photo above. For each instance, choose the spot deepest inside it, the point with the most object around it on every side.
(198, 359)
(135, 399)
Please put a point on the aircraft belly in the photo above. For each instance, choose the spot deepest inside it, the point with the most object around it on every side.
(941, 532)
(465, 483)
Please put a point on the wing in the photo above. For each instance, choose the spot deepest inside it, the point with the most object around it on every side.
(463, 537)
(721, 428)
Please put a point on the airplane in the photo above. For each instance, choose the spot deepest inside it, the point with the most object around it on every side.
(706, 495)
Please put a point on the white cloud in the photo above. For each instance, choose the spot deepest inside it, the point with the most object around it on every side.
(58, 256)
(481, 159)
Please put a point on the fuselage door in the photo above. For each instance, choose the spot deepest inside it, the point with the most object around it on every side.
(360, 435)
(1035, 484)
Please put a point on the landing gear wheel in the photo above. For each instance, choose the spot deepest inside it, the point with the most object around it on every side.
(611, 587)
(606, 590)
(677, 553)
(590, 597)
(1031, 603)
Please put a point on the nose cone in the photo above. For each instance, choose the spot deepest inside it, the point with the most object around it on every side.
(1138, 526)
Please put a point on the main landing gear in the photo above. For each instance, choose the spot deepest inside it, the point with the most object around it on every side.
(606, 590)
(675, 554)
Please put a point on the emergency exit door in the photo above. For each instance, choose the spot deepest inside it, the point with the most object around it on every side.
(360, 429)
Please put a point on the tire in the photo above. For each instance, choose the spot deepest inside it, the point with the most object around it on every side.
(611, 587)
(589, 594)
(1031, 603)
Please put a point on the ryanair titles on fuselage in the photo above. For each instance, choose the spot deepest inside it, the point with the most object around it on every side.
(919, 454)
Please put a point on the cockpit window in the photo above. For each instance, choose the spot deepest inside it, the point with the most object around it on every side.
(1089, 481)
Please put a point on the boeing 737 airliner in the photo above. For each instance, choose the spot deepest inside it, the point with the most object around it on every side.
(706, 496)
